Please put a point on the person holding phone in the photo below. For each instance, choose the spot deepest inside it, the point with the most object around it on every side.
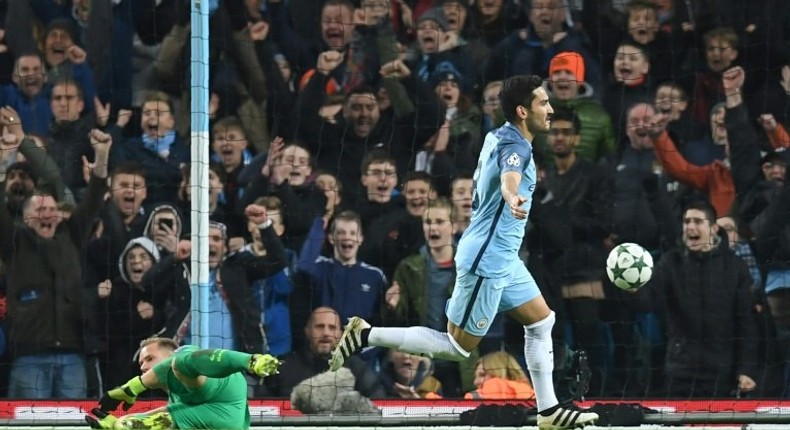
(164, 227)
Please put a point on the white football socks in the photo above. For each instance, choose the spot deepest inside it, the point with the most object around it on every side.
(539, 353)
(418, 340)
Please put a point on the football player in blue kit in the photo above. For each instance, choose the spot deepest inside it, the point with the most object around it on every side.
(491, 278)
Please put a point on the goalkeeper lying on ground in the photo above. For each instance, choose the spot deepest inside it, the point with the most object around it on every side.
(206, 388)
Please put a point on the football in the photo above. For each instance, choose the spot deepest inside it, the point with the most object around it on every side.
(629, 266)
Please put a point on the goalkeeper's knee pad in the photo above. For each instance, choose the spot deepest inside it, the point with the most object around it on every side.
(157, 421)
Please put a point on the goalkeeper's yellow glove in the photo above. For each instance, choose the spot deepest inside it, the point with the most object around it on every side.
(100, 419)
(126, 394)
(264, 365)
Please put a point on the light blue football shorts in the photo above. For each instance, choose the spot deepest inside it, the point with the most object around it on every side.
(477, 300)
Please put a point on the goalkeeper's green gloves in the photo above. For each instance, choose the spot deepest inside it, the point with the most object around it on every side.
(263, 365)
(126, 394)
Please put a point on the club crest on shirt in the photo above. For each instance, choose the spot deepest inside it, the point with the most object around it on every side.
(513, 160)
(481, 323)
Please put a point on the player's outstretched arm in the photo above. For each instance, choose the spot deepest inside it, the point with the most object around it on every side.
(219, 363)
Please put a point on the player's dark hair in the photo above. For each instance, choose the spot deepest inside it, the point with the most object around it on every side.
(518, 91)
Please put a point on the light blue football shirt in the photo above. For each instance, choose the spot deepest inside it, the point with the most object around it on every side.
(489, 246)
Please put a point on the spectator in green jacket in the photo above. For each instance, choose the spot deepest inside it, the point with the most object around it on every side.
(568, 90)
(421, 286)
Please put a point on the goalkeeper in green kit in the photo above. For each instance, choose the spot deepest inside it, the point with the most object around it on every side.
(206, 388)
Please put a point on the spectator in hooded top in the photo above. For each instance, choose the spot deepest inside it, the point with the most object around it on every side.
(164, 228)
(125, 310)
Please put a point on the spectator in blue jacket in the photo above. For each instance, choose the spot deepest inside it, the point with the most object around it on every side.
(342, 282)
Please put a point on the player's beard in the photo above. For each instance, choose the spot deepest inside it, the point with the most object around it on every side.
(536, 127)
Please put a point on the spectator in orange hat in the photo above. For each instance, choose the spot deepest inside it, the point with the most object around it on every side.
(568, 90)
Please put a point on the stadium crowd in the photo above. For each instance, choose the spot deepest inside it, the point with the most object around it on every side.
(344, 140)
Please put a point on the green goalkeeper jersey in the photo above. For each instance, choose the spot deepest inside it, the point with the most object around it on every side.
(220, 403)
